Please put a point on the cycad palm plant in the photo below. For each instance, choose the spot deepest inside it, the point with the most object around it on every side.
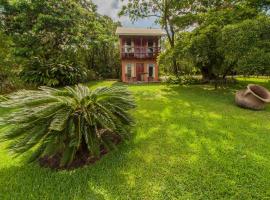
(53, 122)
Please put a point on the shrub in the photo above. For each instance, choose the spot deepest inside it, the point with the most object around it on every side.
(52, 74)
(8, 65)
(183, 80)
(66, 124)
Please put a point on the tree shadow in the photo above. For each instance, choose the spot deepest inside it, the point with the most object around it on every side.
(97, 181)
(223, 148)
(189, 143)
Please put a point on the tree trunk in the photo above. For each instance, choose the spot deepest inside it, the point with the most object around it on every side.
(175, 67)
(174, 61)
(207, 75)
(169, 28)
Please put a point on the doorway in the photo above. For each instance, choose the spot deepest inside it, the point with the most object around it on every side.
(139, 71)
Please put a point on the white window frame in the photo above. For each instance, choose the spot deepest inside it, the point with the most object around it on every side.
(151, 47)
(129, 48)
(131, 65)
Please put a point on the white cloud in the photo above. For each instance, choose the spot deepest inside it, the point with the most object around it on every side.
(108, 7)
(111, 8)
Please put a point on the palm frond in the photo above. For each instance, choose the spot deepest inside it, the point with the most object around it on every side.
(62, 122)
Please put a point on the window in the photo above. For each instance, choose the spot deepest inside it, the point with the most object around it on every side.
(151, 70)
(129, 46)
(150, 45)
(129, 70)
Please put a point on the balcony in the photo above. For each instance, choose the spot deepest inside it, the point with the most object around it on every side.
(140, 52)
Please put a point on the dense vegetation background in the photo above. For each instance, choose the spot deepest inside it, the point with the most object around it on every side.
(213, 149)
(57, 43)
(65, 42)
(211, 38)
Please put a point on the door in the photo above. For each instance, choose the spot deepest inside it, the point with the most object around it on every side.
(139, 71)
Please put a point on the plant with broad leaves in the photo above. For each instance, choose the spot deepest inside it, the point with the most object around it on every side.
(50, 122)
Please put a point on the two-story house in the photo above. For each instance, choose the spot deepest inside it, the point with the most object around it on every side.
(139, 48)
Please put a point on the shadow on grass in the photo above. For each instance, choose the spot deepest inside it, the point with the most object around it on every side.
(190, 143)
(98, 181)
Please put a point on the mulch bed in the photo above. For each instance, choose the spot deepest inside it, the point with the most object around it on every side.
(81, 158)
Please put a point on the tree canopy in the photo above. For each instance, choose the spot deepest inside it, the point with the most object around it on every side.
(246, 46)
(62, 42)
(218, 45)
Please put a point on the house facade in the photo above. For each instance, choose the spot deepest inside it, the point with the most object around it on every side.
(139, 48)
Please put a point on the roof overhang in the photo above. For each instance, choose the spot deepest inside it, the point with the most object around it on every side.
(122, 31)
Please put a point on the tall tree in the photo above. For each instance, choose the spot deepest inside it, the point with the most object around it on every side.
(49, 34)
(214, 51)
(246, 45)
(56, 38)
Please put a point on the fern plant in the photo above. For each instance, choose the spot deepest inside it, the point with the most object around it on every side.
(51, 121)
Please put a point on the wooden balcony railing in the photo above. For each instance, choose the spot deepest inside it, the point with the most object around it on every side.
(140, 52)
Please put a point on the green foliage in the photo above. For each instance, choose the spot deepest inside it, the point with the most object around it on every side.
(183, 80)
(102, 55)
(61, 41)
(246, 46)
(52, 74)
(51, 121)
(204, 51)
(190, 142)
(220, 46)
(184, 65)
(9, 69)
(165, 61)
(5, 59)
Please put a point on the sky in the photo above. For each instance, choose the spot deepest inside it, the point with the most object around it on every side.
(111, 9)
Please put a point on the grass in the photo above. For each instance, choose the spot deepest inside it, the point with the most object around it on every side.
(189, 142)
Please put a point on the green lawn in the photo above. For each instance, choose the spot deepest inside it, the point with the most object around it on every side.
(189, 142)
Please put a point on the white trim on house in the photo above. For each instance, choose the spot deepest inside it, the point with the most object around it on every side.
(129, 48)
(139, 31)
(132, 69)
